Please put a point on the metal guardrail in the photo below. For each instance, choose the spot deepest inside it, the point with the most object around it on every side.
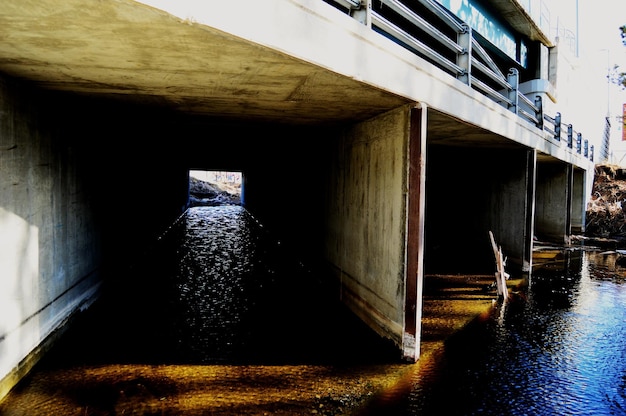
(573, 139)
(449, 43)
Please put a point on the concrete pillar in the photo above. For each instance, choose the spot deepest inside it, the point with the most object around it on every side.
(375, 222)
(415, 232)
(530, 210)
(579, 206)
(511, 205)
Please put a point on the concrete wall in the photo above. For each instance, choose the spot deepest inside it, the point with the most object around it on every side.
(511, 204)
(50, 253)
(84, 185)
(367, 220)
(580, 196)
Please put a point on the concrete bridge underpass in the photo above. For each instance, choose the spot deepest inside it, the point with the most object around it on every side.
(386, 164)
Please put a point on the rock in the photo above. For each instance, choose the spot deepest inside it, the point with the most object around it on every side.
(606, 217)
(203, 193)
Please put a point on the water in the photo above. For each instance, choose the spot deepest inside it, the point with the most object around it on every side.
(556, 348)
(217, 288)
(218, 317)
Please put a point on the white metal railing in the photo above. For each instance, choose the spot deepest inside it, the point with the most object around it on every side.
(449, 43)
(409, 40)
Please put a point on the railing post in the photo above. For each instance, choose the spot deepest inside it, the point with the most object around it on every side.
(513, 79)
(363, 14)
(579, 142)
(557, 127)
(464, 58)
(539, 111)
(570, 135)
(586, 149)
(591, 153)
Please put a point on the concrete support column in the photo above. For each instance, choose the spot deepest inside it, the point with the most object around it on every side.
(531, 186)
(415, 232)
(579, 206)
(375, 222)
(553, 201)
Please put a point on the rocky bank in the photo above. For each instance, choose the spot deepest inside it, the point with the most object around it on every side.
(202, 193)
(606, 210)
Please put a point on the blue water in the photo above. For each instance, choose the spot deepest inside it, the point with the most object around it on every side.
(217, 288)
(558, 347)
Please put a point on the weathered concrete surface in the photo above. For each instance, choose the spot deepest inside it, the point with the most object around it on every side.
(315, 65)
(65, 192)
(180, 61)
(367, 220)
(581, 192)
(49, 243)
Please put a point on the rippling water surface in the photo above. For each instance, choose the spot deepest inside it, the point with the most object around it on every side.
(218, 292)
(233, 294)
(556, 348)
(222, 290)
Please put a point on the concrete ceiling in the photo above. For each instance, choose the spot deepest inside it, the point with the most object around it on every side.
(120, 48)
(445, 130)
(126, 50)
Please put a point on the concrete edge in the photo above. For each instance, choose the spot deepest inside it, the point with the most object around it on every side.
(56, 331)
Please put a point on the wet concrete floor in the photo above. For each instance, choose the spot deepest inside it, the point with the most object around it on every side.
(298, 355)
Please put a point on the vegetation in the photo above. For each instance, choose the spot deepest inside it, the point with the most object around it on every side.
(606, 211)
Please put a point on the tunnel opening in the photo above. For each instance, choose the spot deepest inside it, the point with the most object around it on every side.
(470, 193)
(215, 187)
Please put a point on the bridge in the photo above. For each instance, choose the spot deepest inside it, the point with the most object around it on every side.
(362, 113)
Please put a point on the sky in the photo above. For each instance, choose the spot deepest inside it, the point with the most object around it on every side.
(598, 24)
(599, 30)
(600, 48)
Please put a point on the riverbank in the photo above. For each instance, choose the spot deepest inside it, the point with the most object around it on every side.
(606, 210)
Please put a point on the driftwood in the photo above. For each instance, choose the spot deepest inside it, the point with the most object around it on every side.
(501, 275)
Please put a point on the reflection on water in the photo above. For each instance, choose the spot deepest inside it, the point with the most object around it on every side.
(239, 296)
(217, 288)
(227, 268)
(556, 348)
(219, 318)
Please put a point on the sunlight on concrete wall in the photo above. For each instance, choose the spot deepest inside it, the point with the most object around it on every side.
(19, 262)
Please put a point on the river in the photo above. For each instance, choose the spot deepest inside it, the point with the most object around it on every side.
(218, 317)
(555, 348)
